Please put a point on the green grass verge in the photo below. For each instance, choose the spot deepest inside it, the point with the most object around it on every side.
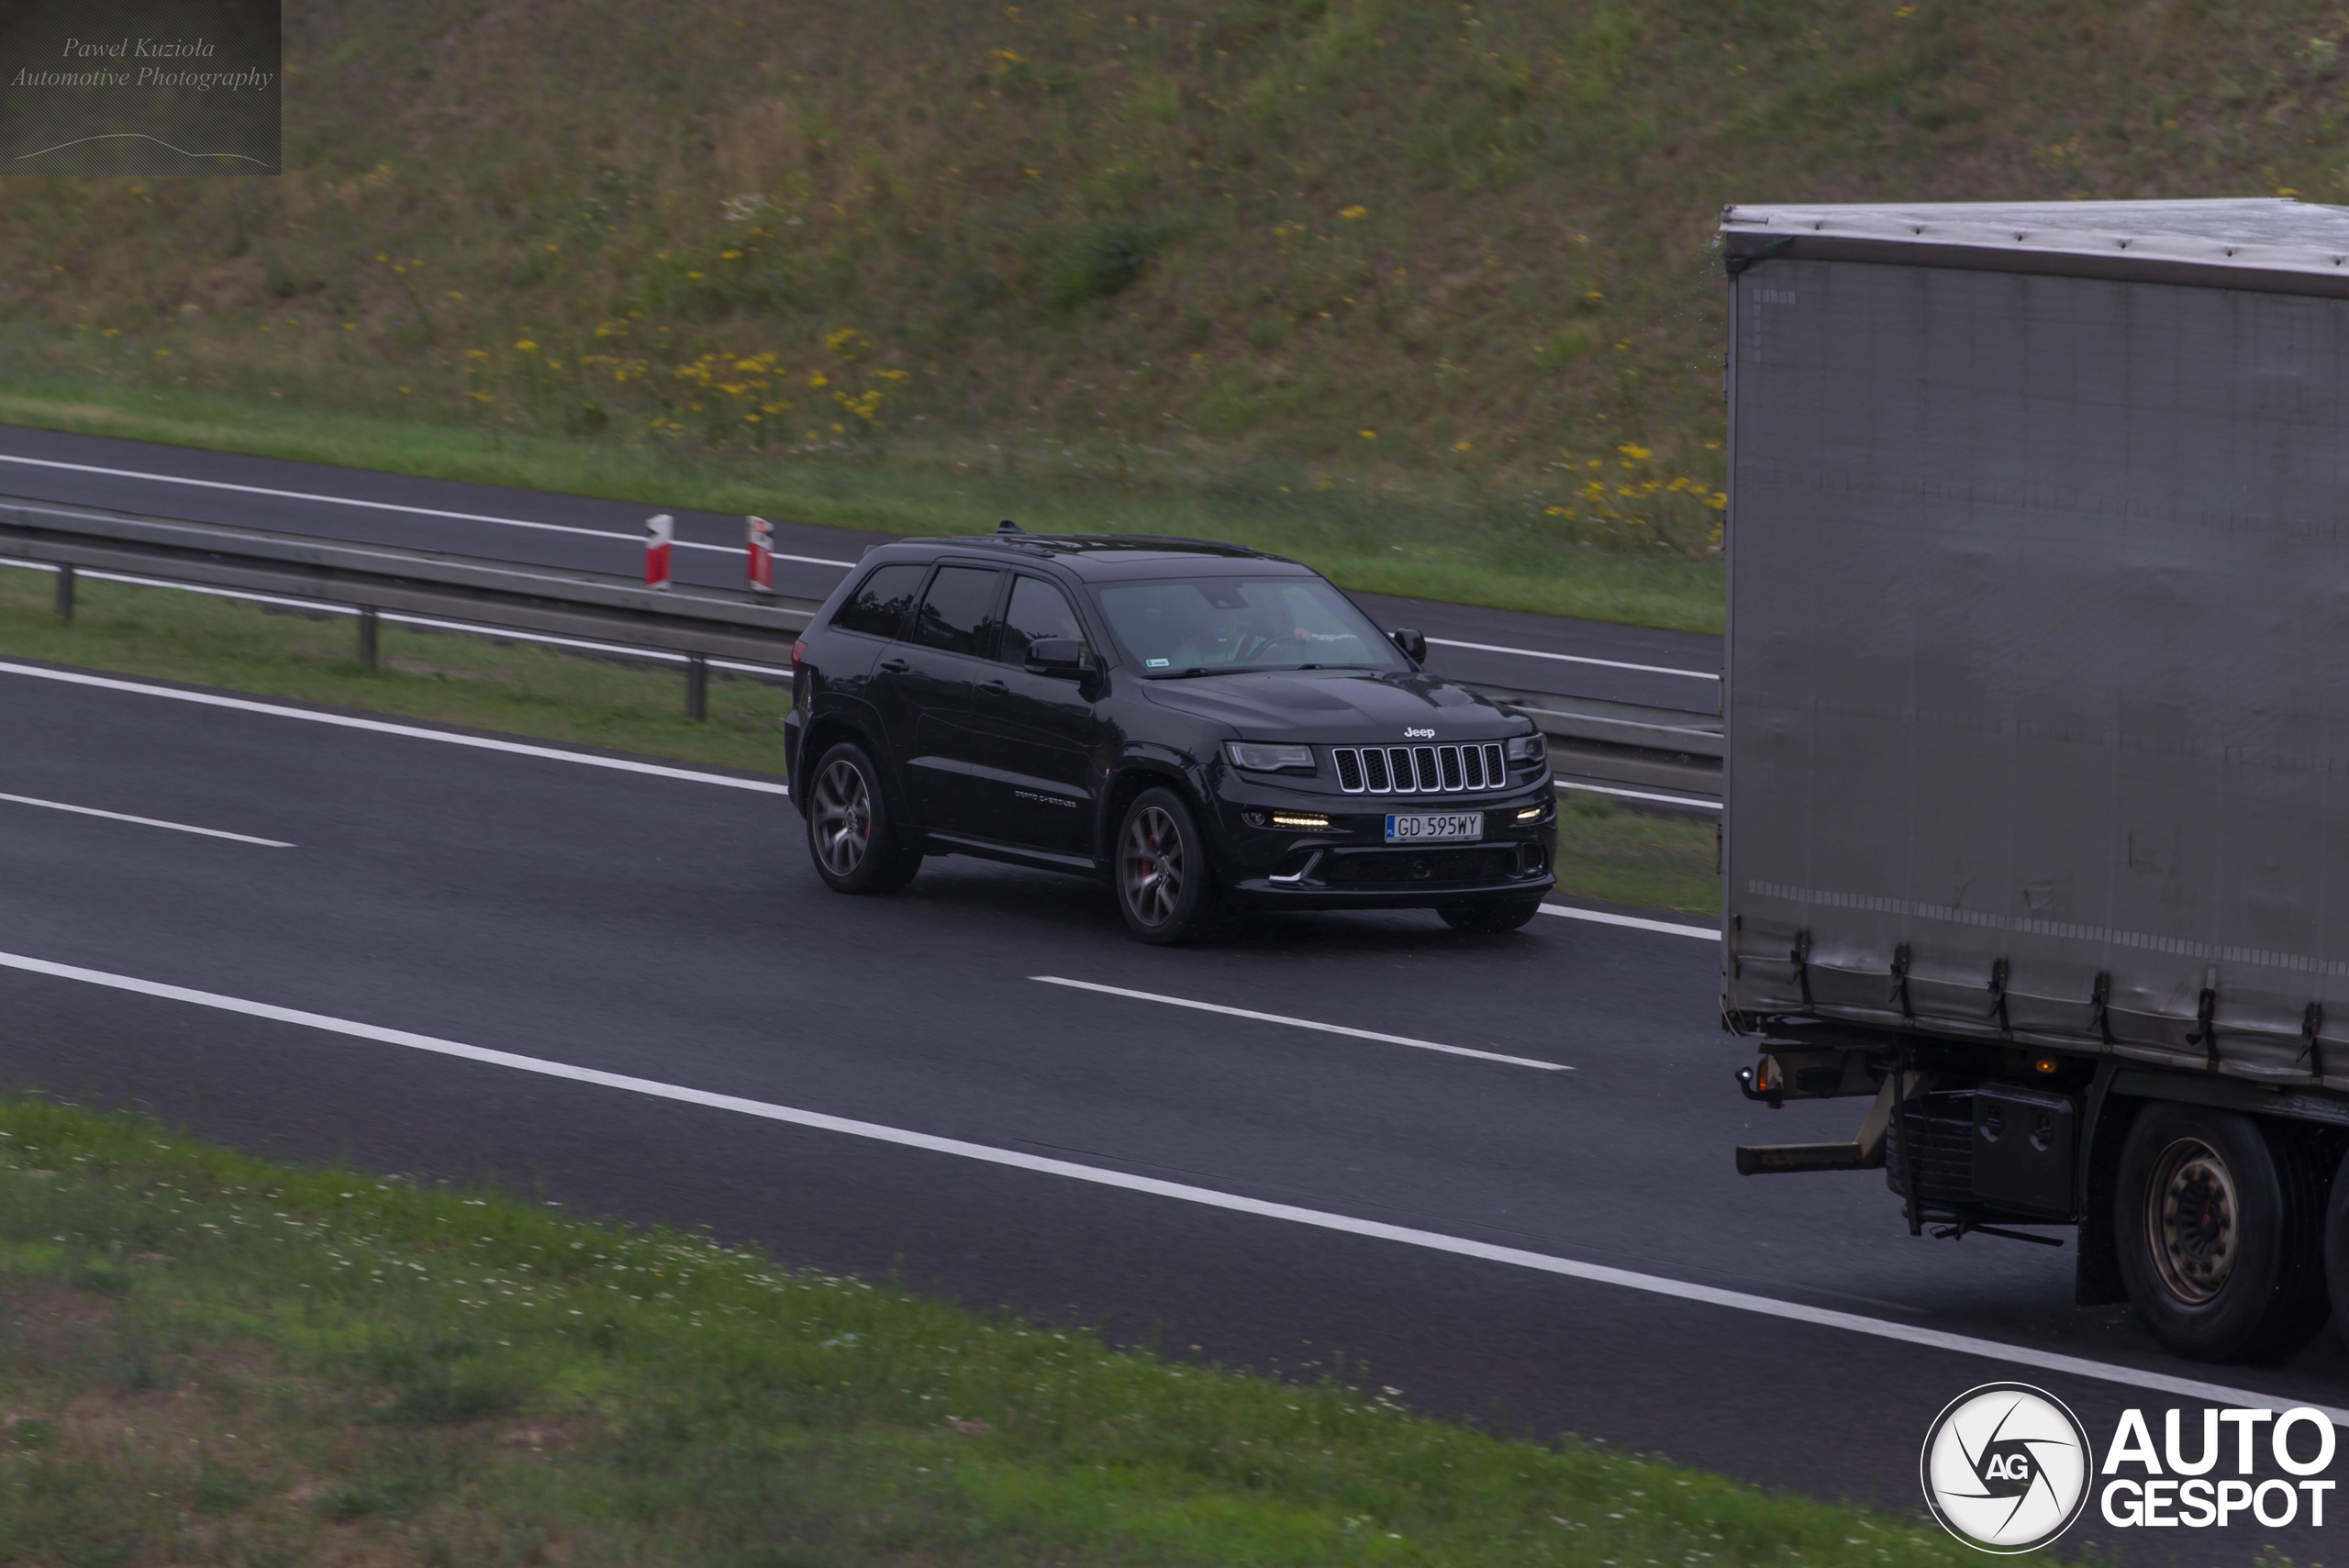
(208, 1358)
(1384, 546)
(1622, 857)
(515, 689)
(1657, 862)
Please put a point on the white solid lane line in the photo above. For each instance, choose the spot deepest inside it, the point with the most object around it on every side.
(471, 628)
(382, 726)
(1302, 1023)
(146, 821)
(391, 507)
(1697, 801)
(682, 544)
(1208, 1198)
(1576, 659)
(1601, 917)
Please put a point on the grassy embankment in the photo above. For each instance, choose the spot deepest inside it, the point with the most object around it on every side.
(519, 690)
(1383, 549)
(206, 1358)
(1423, 291)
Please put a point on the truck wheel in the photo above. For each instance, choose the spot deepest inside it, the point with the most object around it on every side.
(2336, 1246)
(2218, 1219)
(850, 836)
(1165, 889)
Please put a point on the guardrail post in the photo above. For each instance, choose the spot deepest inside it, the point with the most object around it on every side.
(367, 619)
(65, 594)
(697, 687)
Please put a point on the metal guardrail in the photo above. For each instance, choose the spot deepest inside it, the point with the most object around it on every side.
(1612, 745)
(699, 623)
(1605, 744)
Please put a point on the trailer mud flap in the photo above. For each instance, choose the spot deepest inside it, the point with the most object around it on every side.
(1864, 1152)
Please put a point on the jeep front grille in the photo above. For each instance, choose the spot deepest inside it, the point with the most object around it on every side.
(1419, 770)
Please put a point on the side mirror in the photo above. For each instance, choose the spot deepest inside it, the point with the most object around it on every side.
(1414, 646)
(1061, 656)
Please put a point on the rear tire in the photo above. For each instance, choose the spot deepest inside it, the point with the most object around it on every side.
(849, 836)
(1164, 888)
(2219, 1221)
(1489, 919)
(2336, 1246)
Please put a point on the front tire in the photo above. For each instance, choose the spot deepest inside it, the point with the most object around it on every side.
(1489, 919)
(2218, 1220)
(849, 836)
(1163, 885)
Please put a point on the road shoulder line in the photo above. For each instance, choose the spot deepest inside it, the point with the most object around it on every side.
(386, 726)
(145, 821)
(1635, 922)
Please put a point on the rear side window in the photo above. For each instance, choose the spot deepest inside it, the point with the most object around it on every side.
(880, 604)
(954, 610)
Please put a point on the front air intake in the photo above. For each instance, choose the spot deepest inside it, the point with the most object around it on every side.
(1425, 769)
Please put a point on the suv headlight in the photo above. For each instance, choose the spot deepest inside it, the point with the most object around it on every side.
(1529, 749)
(1257, 757)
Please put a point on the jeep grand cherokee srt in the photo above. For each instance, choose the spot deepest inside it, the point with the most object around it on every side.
(1201, 725)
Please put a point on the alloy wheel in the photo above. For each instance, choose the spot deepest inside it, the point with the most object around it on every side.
(2194, 1217)
(841, 819)
(1149, 871)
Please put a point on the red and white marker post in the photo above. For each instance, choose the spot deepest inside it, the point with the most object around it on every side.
(658, 533)
(761, 535)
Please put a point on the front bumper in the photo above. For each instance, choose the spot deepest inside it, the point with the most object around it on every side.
(1350, 865)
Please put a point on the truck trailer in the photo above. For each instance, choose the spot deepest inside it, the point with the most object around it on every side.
(2036, 831)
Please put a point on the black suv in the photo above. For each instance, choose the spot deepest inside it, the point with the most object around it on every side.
(1201, 725)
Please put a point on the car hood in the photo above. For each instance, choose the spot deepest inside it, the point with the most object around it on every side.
(1343, 707)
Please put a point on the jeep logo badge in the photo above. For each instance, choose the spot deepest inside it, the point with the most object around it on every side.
(1419, 735)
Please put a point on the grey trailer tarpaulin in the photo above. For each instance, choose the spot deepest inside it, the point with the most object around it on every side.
(2038, 685)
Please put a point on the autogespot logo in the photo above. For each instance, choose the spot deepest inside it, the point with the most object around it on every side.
(2007, 1468)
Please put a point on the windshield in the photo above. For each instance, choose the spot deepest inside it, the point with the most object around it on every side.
(1216, 625)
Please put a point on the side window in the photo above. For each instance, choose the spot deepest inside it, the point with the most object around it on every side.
(1038, 611)
(954, 613)
(880, 604)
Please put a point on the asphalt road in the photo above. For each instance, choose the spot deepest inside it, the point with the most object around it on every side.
(670, 930)
(1531, 652)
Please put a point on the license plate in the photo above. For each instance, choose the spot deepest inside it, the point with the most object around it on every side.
(1444, 828)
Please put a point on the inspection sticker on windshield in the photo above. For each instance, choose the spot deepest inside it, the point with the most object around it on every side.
(1449, 827)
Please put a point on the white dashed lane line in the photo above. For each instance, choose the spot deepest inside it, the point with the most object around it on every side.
(1302, 1023)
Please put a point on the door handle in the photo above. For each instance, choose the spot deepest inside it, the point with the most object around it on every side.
(994, 688)
(895, 666)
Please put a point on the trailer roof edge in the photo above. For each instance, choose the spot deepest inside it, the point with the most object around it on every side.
(2267, 244)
